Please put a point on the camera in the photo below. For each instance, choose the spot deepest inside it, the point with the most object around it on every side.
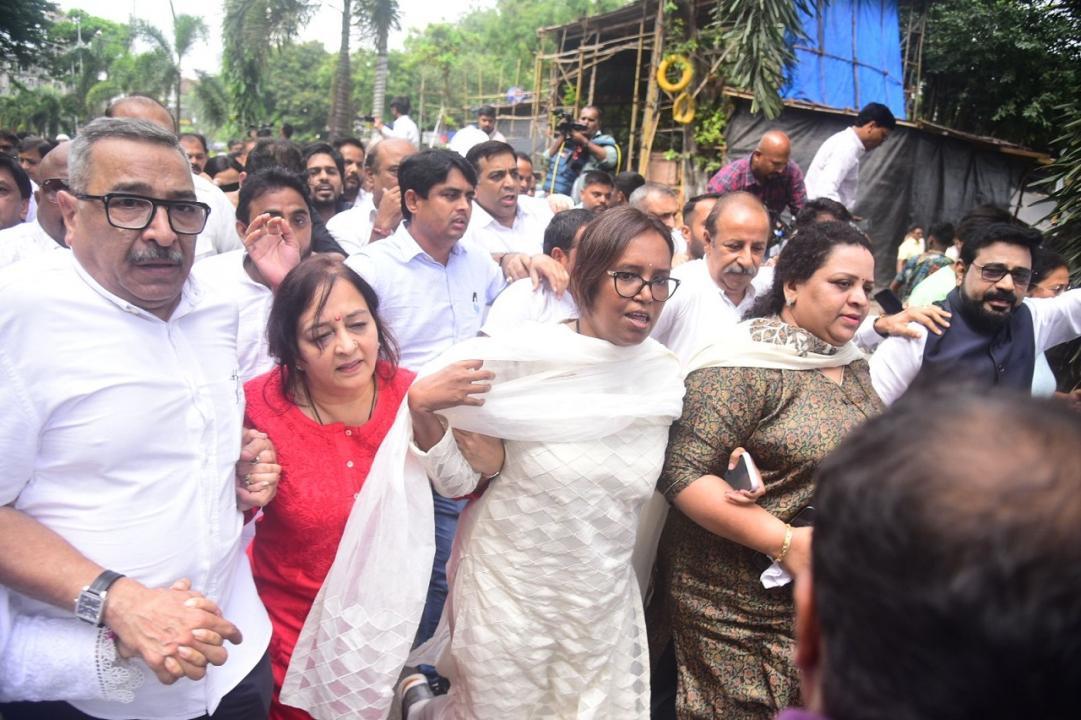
(567, 125)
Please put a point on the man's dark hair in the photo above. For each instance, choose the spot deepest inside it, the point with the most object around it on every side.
(39, 145)
(22, 180)
(1000, 232)
(562, 228)
(322, 148)
(11, 138)
(803, 257)
(287, 131)
(523, 156)
(426, 169)
(940, 235)
(1045, 262)
(401, 103)
(878, 114)
(220, 163)
(485, 150)
(947, 580)
(627, 182)
(914, 227)
(342, 142)
(264, 181)
(690, 205)
(600, 113)
(597, 177)
(808, 214)
(980, 217)
(274, 153)
(196, 136)
(486, 111)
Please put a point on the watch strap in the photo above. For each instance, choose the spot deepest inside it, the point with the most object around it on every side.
(103, 582)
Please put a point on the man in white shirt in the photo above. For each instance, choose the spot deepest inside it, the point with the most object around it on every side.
(219, 235)
(465, 139)
(521, 301)
(716, 291)
(272, 202)
(378, 215)
(661, 201)
(46, 234)
(117, 456)
(15, 192)
(695, 212)
(503, 221)
(352, 152)
(995, 332)
(835, 170)
(403, 125)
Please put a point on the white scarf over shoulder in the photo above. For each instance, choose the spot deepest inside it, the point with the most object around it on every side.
(551, 385)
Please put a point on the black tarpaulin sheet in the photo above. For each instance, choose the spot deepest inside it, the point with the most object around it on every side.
(916, 176)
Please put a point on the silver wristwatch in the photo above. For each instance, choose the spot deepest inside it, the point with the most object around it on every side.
(90, 605)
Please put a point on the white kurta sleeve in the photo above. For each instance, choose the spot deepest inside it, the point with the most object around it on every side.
(895, 364)
(449, 471)
(1056, 320)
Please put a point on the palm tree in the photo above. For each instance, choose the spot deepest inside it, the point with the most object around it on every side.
(379, 17)
(252, 28)
(341, 92)
(187, 30)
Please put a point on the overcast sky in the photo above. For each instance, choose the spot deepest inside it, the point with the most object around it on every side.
(324, 26)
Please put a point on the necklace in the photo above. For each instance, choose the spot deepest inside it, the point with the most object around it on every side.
(371, 408)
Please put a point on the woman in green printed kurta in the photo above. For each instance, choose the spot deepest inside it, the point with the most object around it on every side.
(787, 387)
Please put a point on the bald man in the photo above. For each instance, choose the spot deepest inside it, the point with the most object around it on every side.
(46, 233)
(767, 173)
(220, 235)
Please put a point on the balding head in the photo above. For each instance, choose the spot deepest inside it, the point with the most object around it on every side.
(658, 200)
(141, 107)
(737, 234)
(382, 163)
(54, 166)
(770, 158)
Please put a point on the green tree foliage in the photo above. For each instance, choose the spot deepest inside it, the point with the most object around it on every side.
(187, 30)
(377, 18)
(24, 29)
(1000, 67)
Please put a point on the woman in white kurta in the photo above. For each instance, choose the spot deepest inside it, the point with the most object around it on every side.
(544, 617)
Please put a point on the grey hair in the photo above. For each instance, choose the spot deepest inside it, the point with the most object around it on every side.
(105, 128)
(638, 197)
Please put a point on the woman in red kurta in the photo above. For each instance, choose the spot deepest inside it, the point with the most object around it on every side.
(326, 407)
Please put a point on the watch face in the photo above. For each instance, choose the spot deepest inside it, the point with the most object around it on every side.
(89, 607)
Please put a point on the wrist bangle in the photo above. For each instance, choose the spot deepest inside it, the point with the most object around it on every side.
(786, 545)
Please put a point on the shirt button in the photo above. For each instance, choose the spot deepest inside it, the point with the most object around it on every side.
(349, 433)
(349, 464)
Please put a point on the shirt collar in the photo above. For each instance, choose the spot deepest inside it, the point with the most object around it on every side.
(408, 248)
(483, 218)
(856, 142)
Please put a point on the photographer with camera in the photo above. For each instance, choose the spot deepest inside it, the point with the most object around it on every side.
(578, 147)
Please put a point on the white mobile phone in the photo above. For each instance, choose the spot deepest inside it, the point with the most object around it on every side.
(745, 475)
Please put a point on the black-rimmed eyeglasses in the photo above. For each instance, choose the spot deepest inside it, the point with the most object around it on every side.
(993, 273)
(135, 212)
(629, 284)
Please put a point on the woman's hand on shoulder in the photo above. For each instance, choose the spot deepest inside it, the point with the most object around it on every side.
(457, 384)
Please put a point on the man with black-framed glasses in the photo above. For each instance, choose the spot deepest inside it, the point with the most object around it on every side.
(46, 233)
(120, 515)
(995, 332)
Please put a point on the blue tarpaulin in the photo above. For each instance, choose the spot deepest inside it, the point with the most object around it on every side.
(851, 56)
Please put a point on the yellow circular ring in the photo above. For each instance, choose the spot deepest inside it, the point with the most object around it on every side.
(684, 79)
(683, 109)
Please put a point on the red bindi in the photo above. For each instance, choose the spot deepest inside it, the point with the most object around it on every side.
(337, 318)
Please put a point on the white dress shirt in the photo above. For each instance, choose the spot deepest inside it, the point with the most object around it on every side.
(353, 227)
(26, 240)
(526, 235)
(428, 306)
(120, 432)
(697, 311)
(220, 233)
(403, 127)
(898, 359)
(225, 274)
(835, 170)
(521, 303)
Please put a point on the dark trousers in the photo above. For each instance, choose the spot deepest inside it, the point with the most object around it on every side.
(250, 700)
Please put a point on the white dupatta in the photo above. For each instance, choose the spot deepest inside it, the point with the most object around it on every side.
(551, 385)
(772, 343)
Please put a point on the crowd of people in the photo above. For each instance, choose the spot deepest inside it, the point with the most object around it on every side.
(364, 430)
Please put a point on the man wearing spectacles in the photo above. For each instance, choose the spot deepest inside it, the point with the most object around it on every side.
(119, 441)
(46, 234)
(995, 332)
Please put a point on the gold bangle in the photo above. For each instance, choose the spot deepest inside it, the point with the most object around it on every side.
(786, 545)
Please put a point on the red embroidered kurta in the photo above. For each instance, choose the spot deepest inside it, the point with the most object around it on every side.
(323, 469)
